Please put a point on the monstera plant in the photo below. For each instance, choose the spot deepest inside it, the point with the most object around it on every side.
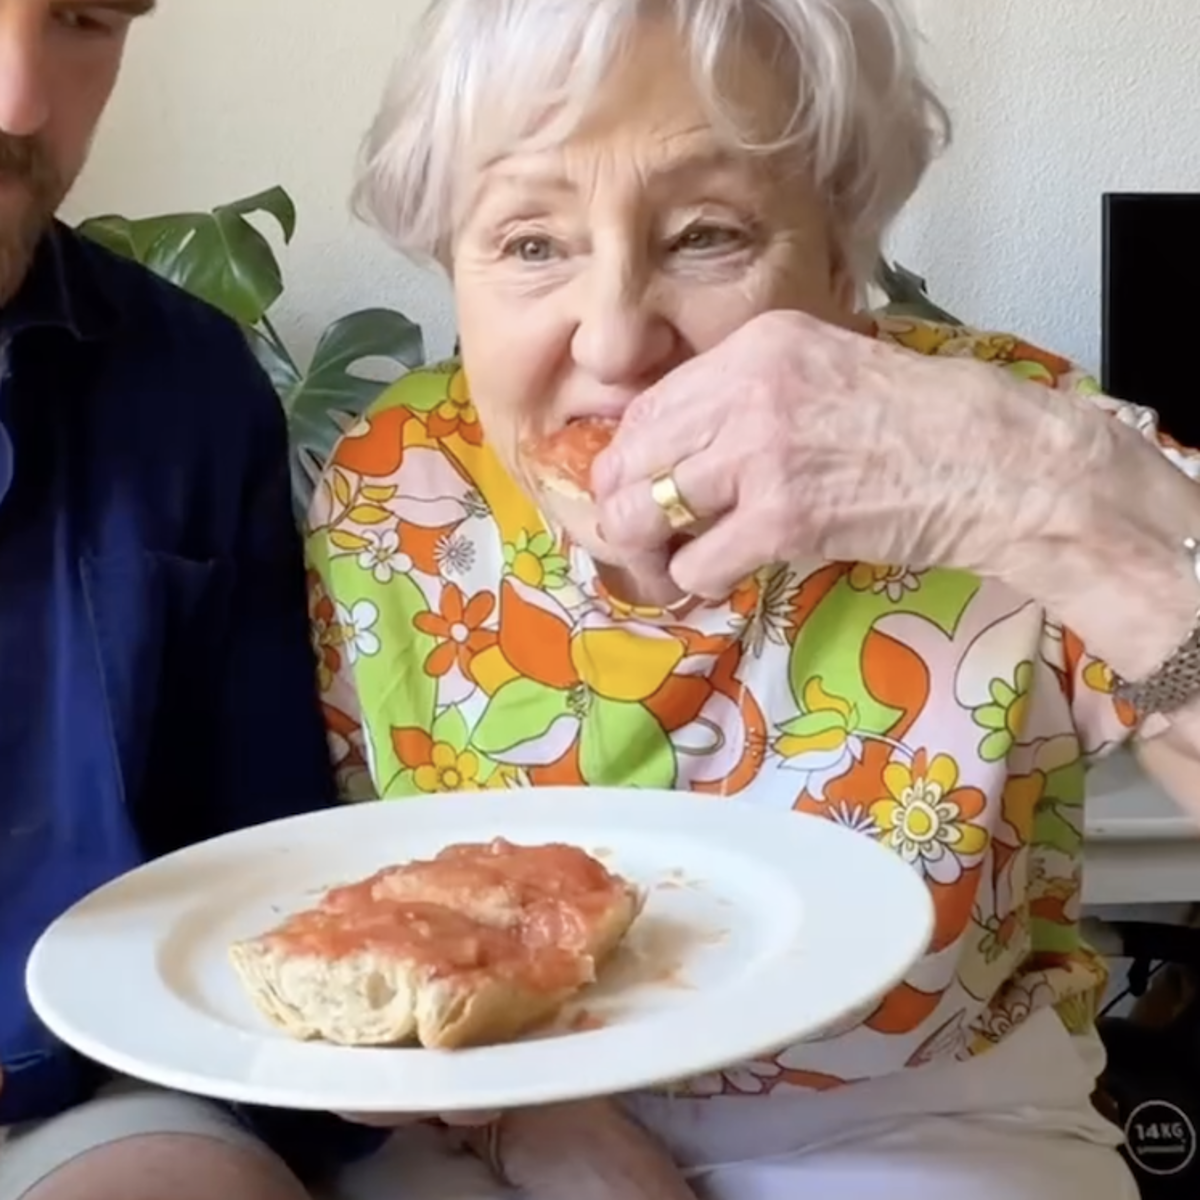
(223, 257)
(907, 294)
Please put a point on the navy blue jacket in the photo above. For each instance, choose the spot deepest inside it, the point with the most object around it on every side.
(157, 685)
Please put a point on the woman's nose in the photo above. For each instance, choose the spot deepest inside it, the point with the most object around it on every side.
(621, 338)
(24, 86)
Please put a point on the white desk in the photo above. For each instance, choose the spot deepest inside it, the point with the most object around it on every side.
(1139, 848)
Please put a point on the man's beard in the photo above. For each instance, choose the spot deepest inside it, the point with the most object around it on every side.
(29, 174)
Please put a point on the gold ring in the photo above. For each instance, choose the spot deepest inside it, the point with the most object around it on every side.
(665, 493)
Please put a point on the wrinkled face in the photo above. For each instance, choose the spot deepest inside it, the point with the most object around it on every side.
(58, 64)
(585, 272)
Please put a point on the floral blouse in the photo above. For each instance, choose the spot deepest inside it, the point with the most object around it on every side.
(462, 645)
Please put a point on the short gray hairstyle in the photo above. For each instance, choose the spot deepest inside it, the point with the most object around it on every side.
(864, 117)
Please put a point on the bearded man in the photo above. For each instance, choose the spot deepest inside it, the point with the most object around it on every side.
(158, 683)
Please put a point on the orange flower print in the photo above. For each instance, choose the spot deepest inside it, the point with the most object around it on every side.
(456, 413)
(927, 818)
(436, 763)
(458, 628)
(375, 447)
(574, 700)
(325, 632)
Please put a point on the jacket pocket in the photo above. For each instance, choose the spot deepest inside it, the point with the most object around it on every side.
(157, 620)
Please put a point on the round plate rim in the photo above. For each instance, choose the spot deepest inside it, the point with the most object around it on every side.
(763, 826)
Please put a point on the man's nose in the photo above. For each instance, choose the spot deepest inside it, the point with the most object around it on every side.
(24, 87)
(621, 338)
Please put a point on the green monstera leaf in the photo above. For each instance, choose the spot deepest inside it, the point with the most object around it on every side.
(222, 257)
(225, 259)
(219, 256)
(907, 295)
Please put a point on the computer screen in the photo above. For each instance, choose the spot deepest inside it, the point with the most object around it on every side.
(1151, 268)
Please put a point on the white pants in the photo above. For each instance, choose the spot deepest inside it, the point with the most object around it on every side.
(1016, 1124)
(934, 1159)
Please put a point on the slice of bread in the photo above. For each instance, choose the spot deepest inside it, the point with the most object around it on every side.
(563, 461)
(475, 946)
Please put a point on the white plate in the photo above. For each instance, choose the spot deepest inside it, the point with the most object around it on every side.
(761, 928)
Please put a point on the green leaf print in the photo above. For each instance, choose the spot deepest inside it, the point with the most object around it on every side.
(422, 390)
(1058, 819)
(521, 711)
(830, 643)
(623, 745)
(1004, 717)
(450, 727)
(403, 783)
(813, 724)
(389, 666)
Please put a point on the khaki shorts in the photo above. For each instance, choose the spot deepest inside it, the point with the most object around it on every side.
(31, 1152)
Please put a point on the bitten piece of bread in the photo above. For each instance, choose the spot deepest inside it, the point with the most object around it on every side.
(474, 946)
(563, 461)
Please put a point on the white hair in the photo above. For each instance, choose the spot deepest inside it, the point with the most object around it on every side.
(863, 116)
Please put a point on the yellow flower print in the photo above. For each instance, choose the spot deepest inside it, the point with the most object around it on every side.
(925, 337)
(1100, 677)
(927, 818)
(996, 347)
(619, 665)
(890, 580)
(822, 743)
(533, 560)
(1005, 716)
(456, 413)
(448, 771)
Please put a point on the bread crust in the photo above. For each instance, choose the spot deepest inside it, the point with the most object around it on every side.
(486, 964)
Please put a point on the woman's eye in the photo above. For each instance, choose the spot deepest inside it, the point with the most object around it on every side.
(705, 239)
(530, 249)
(81, 21)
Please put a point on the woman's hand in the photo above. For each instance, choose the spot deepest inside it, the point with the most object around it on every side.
(796, 439)
(587, 1151)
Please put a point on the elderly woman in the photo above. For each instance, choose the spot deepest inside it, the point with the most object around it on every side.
(905, 577)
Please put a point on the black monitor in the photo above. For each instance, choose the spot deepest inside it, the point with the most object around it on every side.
(1151, 265)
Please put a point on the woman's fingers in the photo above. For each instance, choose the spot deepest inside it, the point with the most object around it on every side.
(587, 1151)
(670, 421)
(633, 520)
(712, 565)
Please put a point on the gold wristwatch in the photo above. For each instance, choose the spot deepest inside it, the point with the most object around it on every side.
(1176, 682)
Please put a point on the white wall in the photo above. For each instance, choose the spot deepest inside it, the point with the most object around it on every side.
(223, 98)
(1056, 101)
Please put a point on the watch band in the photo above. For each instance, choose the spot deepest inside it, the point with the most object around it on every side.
(1176, 682)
